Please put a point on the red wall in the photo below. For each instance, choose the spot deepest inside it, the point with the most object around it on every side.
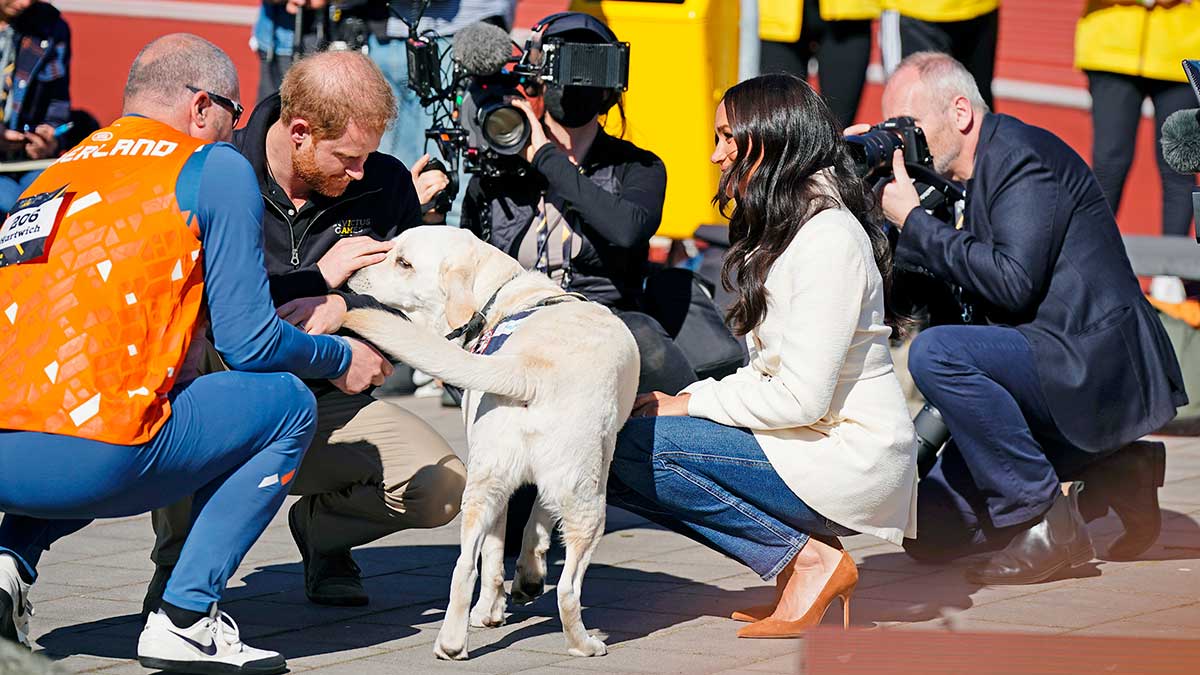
(104, 47)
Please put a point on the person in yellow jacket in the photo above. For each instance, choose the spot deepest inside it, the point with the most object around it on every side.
(836, 32)
(1131, 50)
(964, 29)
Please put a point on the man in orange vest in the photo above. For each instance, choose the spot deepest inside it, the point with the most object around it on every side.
(331, 205)
(109, 264)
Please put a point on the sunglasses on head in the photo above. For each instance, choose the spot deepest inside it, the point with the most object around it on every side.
(235, 109)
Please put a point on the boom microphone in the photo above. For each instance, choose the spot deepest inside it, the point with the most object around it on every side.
(482, 49)
(1181, 140)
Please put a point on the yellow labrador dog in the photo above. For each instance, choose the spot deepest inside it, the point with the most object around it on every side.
(549, 380)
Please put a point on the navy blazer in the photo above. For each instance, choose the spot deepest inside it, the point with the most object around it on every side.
(1041, 251)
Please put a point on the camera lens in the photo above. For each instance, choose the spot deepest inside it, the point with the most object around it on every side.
(932, 435)
(873, 150)
(505, 128)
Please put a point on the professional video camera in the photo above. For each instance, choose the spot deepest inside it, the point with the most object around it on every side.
(474, 115)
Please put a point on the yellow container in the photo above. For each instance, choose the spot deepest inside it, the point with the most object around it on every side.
(682, 58)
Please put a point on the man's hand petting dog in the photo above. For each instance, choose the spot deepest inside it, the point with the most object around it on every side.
(658, 404)
(322, 315)
(350, 255)
(368, 368)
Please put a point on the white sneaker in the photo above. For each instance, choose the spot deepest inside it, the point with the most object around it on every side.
(209, 646)
(15, 607)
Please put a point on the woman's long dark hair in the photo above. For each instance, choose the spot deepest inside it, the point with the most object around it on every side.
(782, 125)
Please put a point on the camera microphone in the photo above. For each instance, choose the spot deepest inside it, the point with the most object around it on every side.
(1181, 140)
(482, 49)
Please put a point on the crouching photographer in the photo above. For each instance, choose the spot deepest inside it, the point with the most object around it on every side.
(1064, 364)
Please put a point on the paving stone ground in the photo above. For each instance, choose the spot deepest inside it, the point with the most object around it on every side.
(660, 599)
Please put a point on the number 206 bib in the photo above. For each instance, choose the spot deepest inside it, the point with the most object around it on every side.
(29, 229)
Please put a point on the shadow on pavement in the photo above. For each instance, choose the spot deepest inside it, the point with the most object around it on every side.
(409, 586)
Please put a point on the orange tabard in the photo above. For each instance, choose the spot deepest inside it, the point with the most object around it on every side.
(101, 283)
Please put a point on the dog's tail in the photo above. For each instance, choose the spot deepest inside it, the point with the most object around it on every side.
(434, 355)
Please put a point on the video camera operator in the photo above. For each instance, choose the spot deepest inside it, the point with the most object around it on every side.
(585, 213)
(1071, 367)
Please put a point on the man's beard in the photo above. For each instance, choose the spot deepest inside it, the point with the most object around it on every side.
(944, 157)
(304, 166)
(941, 163)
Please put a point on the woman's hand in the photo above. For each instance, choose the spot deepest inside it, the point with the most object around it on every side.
(537, 134)
(658, 404)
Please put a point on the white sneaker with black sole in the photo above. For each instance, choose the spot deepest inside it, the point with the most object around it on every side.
(211, 646)
(15, 608)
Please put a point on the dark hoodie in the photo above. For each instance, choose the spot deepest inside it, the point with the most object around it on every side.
(381, 206)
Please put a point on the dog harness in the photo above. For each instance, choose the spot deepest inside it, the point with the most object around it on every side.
(494, 338)
(477, 340)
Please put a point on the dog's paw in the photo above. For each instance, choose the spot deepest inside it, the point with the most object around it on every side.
(593, 647)
(449, 653)
(487, 618)
(525, 591)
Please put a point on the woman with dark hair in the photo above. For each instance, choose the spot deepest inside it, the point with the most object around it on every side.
(811, 441)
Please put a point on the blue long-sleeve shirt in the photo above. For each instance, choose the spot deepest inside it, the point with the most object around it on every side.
(220, 190)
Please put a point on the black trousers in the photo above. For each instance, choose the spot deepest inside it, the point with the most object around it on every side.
(971, 42)
(843, 51)
(1116, 111)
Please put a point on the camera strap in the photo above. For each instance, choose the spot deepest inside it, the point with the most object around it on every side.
(549, 220)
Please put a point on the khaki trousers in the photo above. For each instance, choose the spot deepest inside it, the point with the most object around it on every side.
(373, 468)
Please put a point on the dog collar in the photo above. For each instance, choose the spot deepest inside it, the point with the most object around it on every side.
(474, 326)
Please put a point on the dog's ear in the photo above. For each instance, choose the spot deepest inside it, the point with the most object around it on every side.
(458, 278)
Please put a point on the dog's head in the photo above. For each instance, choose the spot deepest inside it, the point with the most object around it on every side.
(439, 276)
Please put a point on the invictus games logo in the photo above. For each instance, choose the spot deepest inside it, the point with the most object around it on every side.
(352, 227)
(29, 229)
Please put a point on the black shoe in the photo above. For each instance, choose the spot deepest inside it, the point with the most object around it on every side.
(1127, 481)
(154, 592)
(329, 579)
(1057, 541)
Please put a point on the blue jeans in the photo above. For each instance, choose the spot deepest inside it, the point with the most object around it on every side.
(1002, 467)
(234, 439)
(713, 483)
(405, 140)
(12, 185)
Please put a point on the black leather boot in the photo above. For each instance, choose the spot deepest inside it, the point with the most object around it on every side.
(329, 578)
(1127, 481)
(1057, 541)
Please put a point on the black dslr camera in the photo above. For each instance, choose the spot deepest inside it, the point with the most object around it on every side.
(474, 116)
(872, 155)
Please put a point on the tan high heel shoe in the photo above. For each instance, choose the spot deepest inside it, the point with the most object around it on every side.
(760, 612)
(840, 585)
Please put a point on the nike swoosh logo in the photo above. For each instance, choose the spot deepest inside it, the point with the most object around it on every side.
(208, 649)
